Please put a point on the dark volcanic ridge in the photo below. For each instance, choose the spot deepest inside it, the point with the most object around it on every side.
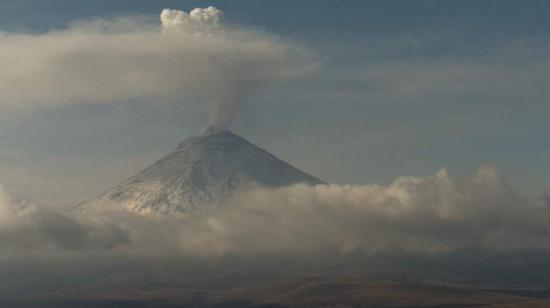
(207, 169)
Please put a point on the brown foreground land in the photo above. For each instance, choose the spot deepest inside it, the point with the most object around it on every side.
(307, 292)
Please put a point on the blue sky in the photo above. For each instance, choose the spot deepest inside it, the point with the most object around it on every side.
(404, 88)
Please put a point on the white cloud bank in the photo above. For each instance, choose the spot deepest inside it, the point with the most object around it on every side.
(433, 215)
(190, 57)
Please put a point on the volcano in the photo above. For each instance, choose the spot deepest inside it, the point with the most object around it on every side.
(207, 169)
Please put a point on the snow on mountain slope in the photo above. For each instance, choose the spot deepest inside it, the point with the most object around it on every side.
(202, 170)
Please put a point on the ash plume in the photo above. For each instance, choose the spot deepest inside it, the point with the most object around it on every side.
(192, 58)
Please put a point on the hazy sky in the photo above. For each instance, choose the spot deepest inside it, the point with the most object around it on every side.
(401, 88)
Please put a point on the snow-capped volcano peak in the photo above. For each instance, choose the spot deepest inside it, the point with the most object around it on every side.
(207, 169)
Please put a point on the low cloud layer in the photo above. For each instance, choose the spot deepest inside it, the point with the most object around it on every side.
(190, 58)
(435, 215)
(27, 229)
(432, 215)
